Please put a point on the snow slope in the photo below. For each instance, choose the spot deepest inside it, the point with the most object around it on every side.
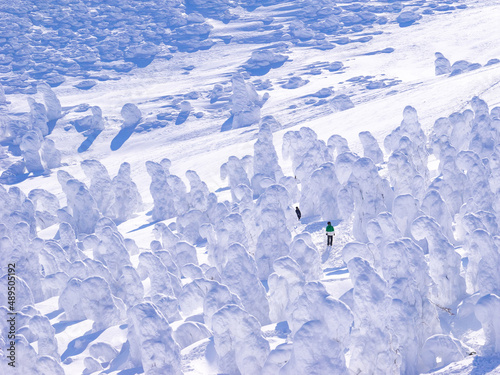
(419, 87)
(406, 70)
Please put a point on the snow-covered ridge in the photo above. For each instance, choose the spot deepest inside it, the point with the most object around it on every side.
(94, 40)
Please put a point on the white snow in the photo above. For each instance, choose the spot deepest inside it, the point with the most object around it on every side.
(217, 123)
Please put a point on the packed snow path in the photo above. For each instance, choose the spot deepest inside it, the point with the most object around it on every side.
(147, 247)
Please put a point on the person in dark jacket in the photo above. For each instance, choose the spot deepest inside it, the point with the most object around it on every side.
(330, 232)
(299, 214)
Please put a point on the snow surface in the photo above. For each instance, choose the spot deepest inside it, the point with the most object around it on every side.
(152, 155)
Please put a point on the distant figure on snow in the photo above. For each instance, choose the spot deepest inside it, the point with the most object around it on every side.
(330, 232)
(299, 214)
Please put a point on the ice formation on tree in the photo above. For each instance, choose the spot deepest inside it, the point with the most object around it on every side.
(401, 173)
(91, 124)
(263, 60)
(304, 252)
(444, 347)
(45, 335)
(265, 160)
(245, 103)
(216, 243)
(369, 252)
(100, 185)
(405, 209)
(190, 332)
(314, 351)
(477, 175)
(12, 173)
(111, 251)
(291, 187)
(371, 148)
(239, 272)
(168, 238)
(179, 194)
(131, 115)
(63, 177)
(444, 263)
(54, 284)
(161, 192)
(81, 204)
(405, 269)
(97, 122)
(168, 260)
(19, 247)
(410, 139)
(27, 361)
(407, 310)
(188, 225)
(208, 294)
(440, 138)
(90, 299)
(305, 150)
(3, 99)
(274, 239)
(30, 146)
(371, 341)
(234, 170)
(168, 306)
(238, 340)
(286, 285)
(443, 65)
(316, 304)
(483, 263)
(313, 158)
(216, 93)
(343, 166)
(184, 253)
(197, 196)
(151, 343)
(341, 102)
(46, 205)
(483, 136)
(51, 156)
(319, 195)
(52, 104)
(434, 206)
(486, 311)
(38, 117)
(191, 297)
(310, 151)
(102, 352)
(162, 281)
(127, 199)
(245, 196)
(371, 195)
(337, 145)
(453, 184)
(462, 127)
(68, 234)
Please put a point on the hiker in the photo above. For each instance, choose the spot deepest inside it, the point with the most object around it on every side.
(299, 214)
(330, 232)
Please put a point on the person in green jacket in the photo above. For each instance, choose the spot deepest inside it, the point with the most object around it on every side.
(330, 232)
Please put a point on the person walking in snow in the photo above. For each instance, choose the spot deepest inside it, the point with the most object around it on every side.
(330, 232)
(299, 214)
